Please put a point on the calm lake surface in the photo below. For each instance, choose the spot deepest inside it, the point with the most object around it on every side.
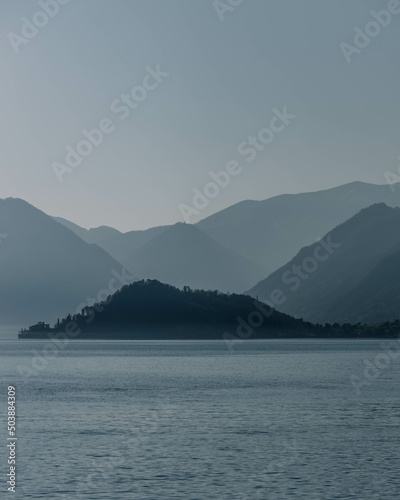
(191, 420)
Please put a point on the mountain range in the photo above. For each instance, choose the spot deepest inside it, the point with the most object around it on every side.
(351, 275)
(271, 232)
(150, 310)
(45, 269)
(184, 255)
(50, 266)
(119, 245)
(268, 232)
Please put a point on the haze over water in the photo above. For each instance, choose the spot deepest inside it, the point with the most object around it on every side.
(189, 420)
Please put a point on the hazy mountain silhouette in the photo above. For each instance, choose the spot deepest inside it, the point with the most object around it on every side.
(184, 255)
(119, 245)
(272, 231)
(90, 235)
(268, 232)
(45, 269)
(149, 309)
(377, 297)
(358, 281)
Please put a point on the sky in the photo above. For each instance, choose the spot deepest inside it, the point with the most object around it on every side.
(221, 77)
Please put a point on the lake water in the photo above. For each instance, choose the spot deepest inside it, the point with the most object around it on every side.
(191, 420)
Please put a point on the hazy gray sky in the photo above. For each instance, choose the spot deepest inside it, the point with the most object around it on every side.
(225, 79)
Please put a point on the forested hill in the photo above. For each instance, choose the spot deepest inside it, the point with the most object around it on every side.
(149, 309)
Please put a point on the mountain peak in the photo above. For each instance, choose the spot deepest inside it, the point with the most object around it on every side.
(45, 269)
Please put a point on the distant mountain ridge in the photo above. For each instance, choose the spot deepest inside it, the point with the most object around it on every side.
(271, 232)
(46, 270)
(180, 255)
(119, 245)
(268, 232)
(184, 255)
(50, 265)
(359, 281)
